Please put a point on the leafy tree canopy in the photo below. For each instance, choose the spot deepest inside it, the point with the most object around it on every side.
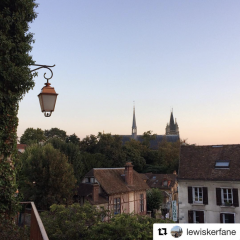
(85, 222)
(73, 139)
(16, 80)
(55, 133)
(73, 154)
(154, 199)
(32, 135)
(46, 177)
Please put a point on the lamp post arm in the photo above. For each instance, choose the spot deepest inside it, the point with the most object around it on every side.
(43, 66)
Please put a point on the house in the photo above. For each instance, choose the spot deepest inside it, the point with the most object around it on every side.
(21, 148)
(167, 183)
(119, 190)
(209, 183)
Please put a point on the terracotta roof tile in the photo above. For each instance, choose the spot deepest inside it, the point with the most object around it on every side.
(112, 180)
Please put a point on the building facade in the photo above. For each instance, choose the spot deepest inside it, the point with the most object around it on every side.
(209, 183)
(119, 190)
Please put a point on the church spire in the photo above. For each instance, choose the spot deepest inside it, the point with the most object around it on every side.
(172, 125)
(134, 125)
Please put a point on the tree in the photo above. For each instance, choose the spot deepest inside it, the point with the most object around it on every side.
(147, 137)
(73, 139)
(73, 154)
(125, 226)
(15, 81)
(32, 135)
(55, 133)
(154, 199)
(72, 222)
(133, 150)
(111, 147)
(89, 144)
(46, 177)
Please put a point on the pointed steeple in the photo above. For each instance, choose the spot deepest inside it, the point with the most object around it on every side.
(172, 125)
(134, 125)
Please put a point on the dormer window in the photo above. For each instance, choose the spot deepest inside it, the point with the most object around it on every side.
(222, 164)
(165, 183)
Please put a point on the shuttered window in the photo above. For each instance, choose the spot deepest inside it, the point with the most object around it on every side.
(198, 195)
(227, 197)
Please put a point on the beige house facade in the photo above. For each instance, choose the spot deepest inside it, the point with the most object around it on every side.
(208, 184)
(119, 190)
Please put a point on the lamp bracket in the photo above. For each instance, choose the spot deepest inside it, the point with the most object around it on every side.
(43, 66)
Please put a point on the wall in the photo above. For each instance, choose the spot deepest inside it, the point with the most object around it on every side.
(212, 210)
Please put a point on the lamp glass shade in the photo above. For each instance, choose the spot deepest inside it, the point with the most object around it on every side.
(47, 98)
(47, 102)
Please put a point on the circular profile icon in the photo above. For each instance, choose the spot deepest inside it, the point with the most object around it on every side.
(176, 232)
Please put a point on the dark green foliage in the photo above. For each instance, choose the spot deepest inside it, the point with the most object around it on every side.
(46, 177)
(147, 137)
(134, 151)
(55, 133)
(85, 222)
(111, 147)
(32, 135)
(72, 222)
(15, 81)
(10, 231)
(73, 139)
(73, 154)
(89, 144)
(125, 226)
(154, 199)
(95, 160)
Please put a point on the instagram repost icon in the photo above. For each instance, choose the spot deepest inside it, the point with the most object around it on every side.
(176, 232)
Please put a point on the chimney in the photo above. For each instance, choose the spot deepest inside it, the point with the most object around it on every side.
(95, 192)
(129, 173)
(169, 182)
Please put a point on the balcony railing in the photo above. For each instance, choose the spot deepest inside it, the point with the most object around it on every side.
(29, 216)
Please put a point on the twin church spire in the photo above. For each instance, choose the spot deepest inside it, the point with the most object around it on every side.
(171, 128)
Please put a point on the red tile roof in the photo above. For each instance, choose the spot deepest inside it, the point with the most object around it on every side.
(198, 162)
(113, 182)
(21, 146)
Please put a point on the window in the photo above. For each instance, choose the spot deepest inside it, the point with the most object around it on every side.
(222, 164)
(198, 195)
(165, 183)
(196, 216)
(141, 203)
(117, 205)
(227, 218)
(227, 197)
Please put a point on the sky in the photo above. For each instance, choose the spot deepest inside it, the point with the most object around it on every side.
(162, 54)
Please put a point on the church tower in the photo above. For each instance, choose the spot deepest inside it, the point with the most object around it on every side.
(134, 125)
(172, 127)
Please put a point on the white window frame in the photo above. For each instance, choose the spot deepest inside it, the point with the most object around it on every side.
(198, 194)
(227, 199)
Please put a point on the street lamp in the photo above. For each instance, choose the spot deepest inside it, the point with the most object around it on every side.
(48, 96)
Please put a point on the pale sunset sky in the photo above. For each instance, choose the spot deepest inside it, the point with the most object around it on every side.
(162, 54)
